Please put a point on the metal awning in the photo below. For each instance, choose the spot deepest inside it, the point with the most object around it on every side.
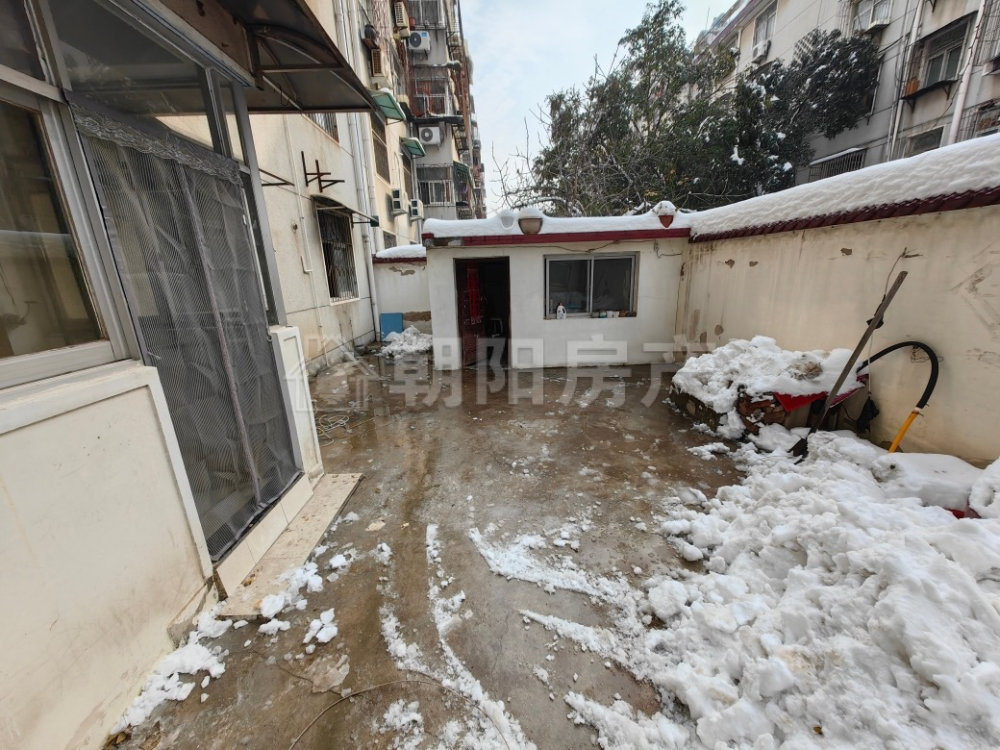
(388, 105)
(296, 65)
(413, 147)
(462, 170)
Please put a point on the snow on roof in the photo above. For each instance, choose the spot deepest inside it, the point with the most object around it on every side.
(402, 252)
(963, 168)
(505, 223)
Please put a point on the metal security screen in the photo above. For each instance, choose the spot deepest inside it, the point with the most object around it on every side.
(176, 217)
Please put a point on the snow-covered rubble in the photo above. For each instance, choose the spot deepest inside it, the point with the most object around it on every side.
(827, 614)
(758, 366)
(410, 341)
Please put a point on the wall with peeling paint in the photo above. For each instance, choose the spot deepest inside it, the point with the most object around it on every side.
(816, 288)
(403, 288)
(539, 341)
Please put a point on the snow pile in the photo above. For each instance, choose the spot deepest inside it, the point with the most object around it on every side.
(827, 614)
(291, 598)
(505, 223)
(758, 366)
(403, 252)
(410, 341)
(936, 479)
(165, 681)
(985, 495)
(962, 167)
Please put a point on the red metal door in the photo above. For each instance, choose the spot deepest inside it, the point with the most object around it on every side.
(471, 325)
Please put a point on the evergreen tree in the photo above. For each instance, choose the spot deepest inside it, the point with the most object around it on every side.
(659, 124)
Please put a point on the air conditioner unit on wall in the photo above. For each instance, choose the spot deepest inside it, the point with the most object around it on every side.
(760, 50)
(430, 135)
(399, 16)
(398, 201)
(416, 209)
(419, 41)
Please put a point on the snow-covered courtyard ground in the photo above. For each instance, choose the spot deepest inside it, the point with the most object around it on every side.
(593, 572)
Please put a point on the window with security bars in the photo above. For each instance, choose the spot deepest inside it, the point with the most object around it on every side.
(436, 185)
(407, 172)
(838, 165)
(338, 253)
(589, 285)
(432, 90)
(327, 121)
(381, 151)
(943, 55)
(428, 14)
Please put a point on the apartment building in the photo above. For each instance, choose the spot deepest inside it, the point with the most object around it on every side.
(938, 82)
(340, 186)
(450, 179)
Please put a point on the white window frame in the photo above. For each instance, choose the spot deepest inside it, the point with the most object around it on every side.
(766, 21)
(869, 12)
(443, 187)
(958, 46)
(633, 257)
(70, 175)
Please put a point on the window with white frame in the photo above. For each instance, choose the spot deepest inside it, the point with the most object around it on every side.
(44, 300)
(871, 14)
(436, 185)
(763, 28)
(588, 285)
(922, 142)
(943, 54)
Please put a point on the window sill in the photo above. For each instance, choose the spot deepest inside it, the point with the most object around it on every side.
(334, 301)
(592, 316)
(942, 84)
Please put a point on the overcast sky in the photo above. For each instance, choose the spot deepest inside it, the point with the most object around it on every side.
(523, 50)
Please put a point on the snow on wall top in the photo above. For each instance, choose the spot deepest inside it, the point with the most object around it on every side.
(402, 252)
(964, 167)
(505, 223)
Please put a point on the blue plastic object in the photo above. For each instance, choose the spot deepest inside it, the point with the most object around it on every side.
(390, 323)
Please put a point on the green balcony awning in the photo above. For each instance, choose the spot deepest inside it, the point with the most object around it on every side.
(462, 171)
(388, 105)
(413, 147)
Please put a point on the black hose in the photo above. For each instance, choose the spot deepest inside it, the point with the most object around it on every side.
(931, 382)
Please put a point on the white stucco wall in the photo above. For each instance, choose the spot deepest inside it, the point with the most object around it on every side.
(816, 288)
(537, 342)
(403, 288)
(328, 327)
(100, 551)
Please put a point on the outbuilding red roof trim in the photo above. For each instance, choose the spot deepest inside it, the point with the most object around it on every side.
(550, 239)
(937, 203)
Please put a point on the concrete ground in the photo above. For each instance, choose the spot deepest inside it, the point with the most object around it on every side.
(600, 462)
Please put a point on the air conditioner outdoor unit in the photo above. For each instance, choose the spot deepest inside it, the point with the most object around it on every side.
(419, 41)
(398, 202)
(416, 209)
(399, 16)
(430, 135)
(760, 50)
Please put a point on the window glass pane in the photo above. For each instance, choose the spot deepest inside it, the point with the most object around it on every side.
(934, 69)
(612, 284)
(568, 285)
(17, 43)
(229, 111)
(338, 254)
(951, 69)
(113, 62)
(43, 299)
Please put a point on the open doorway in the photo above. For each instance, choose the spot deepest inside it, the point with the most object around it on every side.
(482, 286)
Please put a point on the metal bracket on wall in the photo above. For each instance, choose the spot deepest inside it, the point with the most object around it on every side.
(317, 175)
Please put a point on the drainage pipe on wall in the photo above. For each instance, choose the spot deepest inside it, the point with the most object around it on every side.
(907, 57)
(963, 86)
(360, 160)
